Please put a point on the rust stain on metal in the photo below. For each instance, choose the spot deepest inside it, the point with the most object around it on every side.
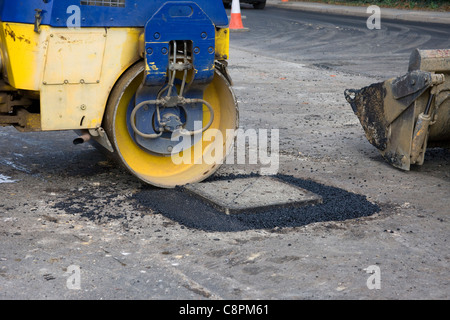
(10, 33)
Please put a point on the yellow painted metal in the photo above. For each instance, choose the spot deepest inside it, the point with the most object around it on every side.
(160, 170)
(222, 43)
(23, 51)
(74, 70)
(80, 100)
(75, 57)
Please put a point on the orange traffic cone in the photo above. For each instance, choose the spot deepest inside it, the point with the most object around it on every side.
(236, 18)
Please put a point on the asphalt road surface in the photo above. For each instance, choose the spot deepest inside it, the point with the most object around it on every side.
(75, 226)
(338, 42)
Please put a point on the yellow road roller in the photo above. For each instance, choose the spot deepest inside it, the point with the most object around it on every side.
(404, 116)
(131, 76)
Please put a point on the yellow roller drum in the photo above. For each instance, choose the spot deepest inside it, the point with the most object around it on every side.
(161, 170)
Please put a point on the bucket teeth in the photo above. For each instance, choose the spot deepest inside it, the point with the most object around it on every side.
(368, 106)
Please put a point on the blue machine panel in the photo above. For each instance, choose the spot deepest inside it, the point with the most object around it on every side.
(171, 22)
(98, 13)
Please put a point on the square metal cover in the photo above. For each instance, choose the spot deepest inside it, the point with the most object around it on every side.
(252, 194)
(74, 57)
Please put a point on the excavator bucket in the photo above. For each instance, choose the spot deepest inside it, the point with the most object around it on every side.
(404, 116)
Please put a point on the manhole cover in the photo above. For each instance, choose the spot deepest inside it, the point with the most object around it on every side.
(252, 194)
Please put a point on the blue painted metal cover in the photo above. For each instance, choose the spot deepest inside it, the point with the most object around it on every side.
(99, 13)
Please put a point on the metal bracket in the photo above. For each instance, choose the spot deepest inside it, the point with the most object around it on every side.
(37, 20)
(99, 135)
(178, 21)
(179, 37)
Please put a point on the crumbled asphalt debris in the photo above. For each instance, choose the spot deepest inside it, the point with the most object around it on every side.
(187, 210)
(92, 203)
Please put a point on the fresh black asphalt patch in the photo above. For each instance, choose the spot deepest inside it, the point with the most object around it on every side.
(252, 194)
(189, 211)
